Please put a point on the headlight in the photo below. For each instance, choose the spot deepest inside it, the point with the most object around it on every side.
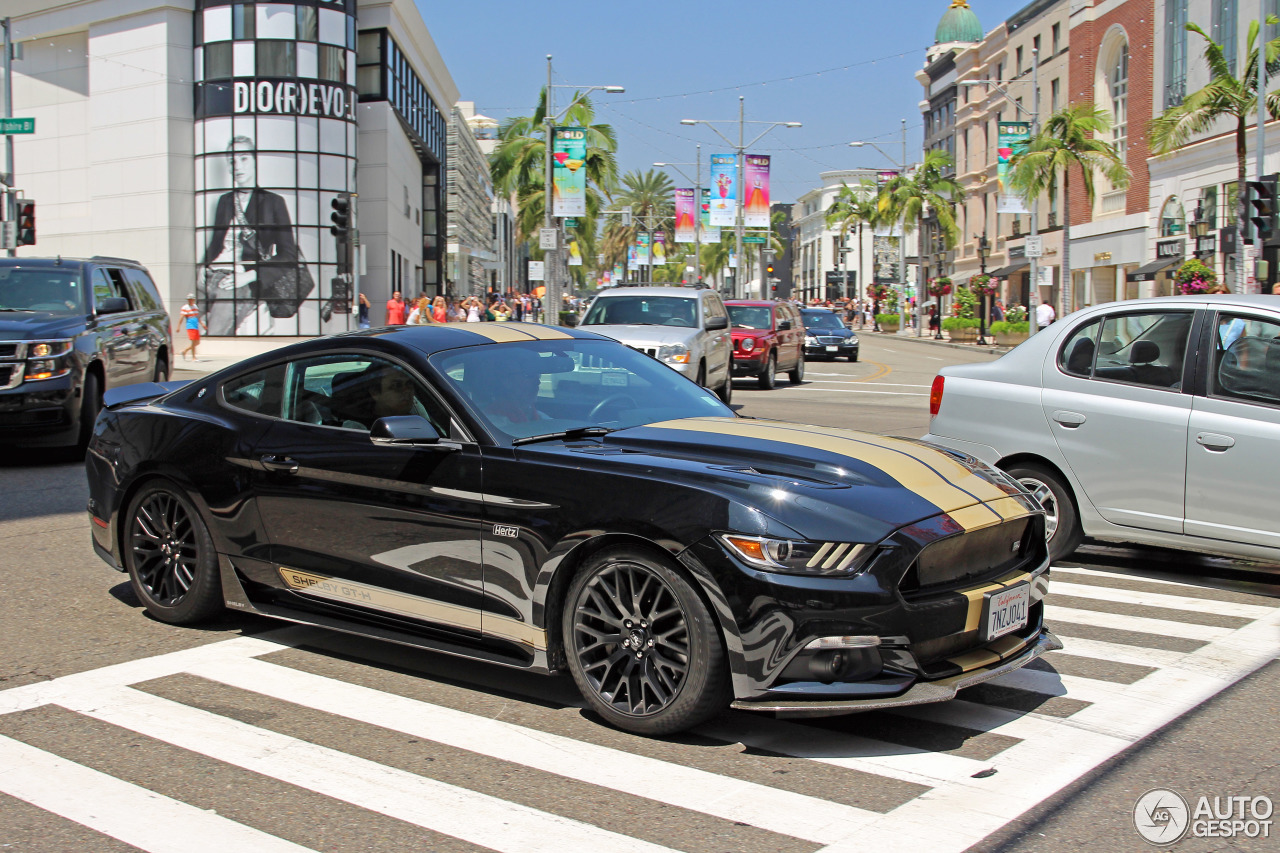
(49, 360)
(748, 344)
(831, 559)
(810, 339)
(673, 354)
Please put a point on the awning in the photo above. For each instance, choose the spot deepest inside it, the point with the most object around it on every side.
(1005, 272)
(1151, 270)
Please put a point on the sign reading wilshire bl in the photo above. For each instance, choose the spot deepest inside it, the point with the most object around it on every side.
(17, 125)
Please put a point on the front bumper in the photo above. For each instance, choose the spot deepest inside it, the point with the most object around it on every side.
(40, 414)
(920, 693)
(827, 351)
(749, 365)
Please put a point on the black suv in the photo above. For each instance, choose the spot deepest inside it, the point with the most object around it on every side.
(69, 330)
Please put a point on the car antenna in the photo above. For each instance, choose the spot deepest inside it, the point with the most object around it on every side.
(59, 261)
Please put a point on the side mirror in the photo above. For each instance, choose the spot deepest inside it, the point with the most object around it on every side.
(784, 326)
(716, 323)
(406, 431)
(113, 305)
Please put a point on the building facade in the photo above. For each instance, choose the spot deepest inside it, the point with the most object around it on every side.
(208, 139)
(818, 266)
(469, 208)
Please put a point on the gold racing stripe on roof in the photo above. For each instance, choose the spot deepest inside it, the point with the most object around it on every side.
(909, 471)
(403, 604)
(542, 333)
(500, 333)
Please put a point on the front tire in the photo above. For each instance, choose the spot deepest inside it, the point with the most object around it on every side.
(726, 390)
(767, 377)
(170, 556)
(797, 373)
(1062, 523)
(90, 405)
(642, 646)
(162, 370)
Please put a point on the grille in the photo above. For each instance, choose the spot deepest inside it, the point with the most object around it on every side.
(652, 352)
(973, 555)
(8, 351)
(37, 417)
(10, 375)
(829, 339)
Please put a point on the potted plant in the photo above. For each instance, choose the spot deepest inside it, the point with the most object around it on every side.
(884, 297)
(1009, 333)
(962, 325)
(1194, 277)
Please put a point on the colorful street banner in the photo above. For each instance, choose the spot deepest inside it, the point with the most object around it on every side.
(642, 248)
(755, 177)
(575, 254)
(568, 176)
(617, 272)
(1013, 135)
(885, 259)
(885, 177)
(709, 234)
(686, 210)
(659, 248)
(633, 257)
(724, 190)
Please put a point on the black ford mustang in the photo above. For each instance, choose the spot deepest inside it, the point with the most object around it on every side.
(550, 499)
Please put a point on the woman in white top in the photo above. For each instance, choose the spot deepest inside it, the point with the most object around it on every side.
(473, 311)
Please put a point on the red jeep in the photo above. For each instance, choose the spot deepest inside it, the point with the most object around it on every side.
(767, 337)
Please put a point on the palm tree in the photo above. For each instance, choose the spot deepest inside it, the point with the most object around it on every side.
(932, 187)
(518, 165)
(715, 256)
(1069, 140)
(854, 208)
(1225, 95)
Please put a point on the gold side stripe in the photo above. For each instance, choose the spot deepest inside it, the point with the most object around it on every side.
(389, 601)
(908, 471)
(817, 558)
(831, 561)
(975, 595)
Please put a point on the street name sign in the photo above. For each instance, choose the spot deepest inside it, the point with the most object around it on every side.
(9, 126)
(753, 238)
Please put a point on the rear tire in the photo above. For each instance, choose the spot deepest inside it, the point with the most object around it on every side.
(90, 405)
(767, 377)
(1062, 522)
(797, 373)
(652, 676)
(170, 556)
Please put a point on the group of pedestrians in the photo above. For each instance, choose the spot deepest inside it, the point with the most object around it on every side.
(426, 310)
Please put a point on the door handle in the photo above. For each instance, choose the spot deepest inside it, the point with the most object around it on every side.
(1070, 420)
(280, 464)
(1214, 441)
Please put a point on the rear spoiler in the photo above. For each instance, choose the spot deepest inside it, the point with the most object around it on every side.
(117, 397)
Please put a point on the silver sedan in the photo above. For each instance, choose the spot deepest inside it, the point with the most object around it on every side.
(1153, 421)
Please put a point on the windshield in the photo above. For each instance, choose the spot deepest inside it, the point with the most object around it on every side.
(749, 316)
(56, 290)
(538, 387)
(821, 320)
(643, 311)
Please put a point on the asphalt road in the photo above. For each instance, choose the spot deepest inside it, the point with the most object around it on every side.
(120, 733)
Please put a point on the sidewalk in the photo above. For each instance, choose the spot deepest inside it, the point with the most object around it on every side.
(910, 335)
(217, 353)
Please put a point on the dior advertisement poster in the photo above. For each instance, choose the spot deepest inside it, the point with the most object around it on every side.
(275, 143)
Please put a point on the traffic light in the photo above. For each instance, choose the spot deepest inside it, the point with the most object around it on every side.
(26, 222)
(770, 268)
(341, 230)
(1262, 207)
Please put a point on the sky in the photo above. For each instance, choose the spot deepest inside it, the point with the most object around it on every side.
(845, 70)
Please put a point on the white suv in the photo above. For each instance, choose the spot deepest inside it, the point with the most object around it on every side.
(686, 328)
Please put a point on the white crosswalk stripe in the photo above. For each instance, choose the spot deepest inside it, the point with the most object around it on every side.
(988, 763)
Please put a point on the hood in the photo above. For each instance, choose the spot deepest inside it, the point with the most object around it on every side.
(642, 335)
(826, 484)
(25, 326)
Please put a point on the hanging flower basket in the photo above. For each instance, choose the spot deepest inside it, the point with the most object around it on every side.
(984, 285)
(877, 291)
(1194, 277)
(940, 286)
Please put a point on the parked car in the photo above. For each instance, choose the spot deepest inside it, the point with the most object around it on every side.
(768, 336)
(549, 499)
(686, 328)
(71, 329)
(1152, 421)
(826, 335)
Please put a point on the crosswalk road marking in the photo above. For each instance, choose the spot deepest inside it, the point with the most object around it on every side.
(962, 769)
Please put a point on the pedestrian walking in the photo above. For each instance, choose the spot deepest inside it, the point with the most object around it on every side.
(362, 317)
(1045, 315)
(395, 310)
(192, 322)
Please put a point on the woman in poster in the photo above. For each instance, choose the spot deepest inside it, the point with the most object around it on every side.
(251, 270)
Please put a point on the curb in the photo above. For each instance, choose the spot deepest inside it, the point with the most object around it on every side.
(990, 349)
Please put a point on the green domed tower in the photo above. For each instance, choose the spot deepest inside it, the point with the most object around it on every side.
(959, 24)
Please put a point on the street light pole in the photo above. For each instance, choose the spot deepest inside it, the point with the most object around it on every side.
(902, 239)
(697, 209)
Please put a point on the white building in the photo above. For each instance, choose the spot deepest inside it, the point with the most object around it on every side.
(207, 139)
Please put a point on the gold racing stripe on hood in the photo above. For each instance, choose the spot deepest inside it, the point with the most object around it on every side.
(925, 472)
(403, 604)
(977, 594)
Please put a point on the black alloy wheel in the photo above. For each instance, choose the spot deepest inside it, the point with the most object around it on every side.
(642, 646)
(170, 556)
(766, 378)
(796, 375)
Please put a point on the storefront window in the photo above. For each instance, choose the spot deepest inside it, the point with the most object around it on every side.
(1173, 219)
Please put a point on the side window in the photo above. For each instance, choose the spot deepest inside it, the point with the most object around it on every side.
(103, 287)
(121, 289)
(1144, 349)
(1076, 355)
(258, 392)
(353, 391)
(145, 295)
(1247, 359)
